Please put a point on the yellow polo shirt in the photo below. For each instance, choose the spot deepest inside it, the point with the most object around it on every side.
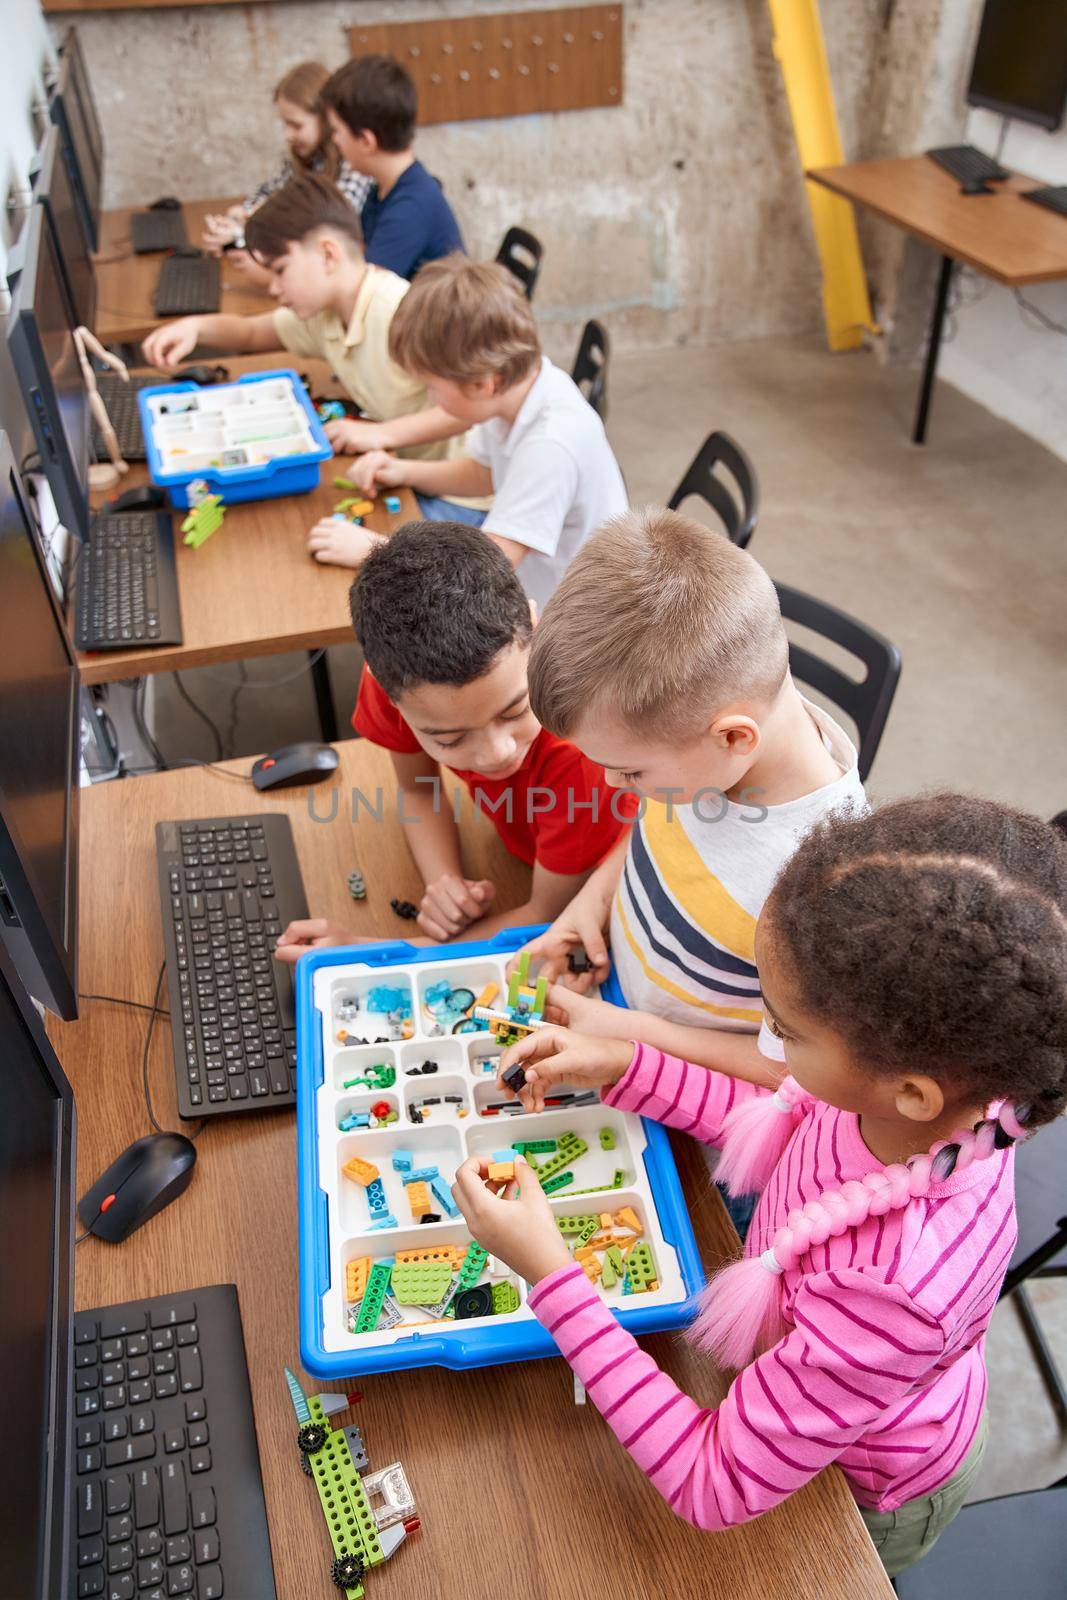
(359, 358)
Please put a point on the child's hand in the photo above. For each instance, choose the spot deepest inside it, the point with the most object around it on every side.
(341, 544)
(312, 934)
(351, 437)
(586, 1014)
(553, 1056)
(168, 345)
(579, 924)
(516, 1225)
(450, 904)
(376, 468)
(218, 231)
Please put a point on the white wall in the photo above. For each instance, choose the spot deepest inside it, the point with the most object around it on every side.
(26, 48)
(1017, 372)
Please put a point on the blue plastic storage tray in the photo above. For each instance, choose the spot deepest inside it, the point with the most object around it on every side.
(334, 1212)
(223, 412)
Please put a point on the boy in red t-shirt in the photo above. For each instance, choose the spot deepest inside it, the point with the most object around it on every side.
(445, 629)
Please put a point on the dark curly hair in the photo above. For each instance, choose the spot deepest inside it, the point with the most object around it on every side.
(934, 930)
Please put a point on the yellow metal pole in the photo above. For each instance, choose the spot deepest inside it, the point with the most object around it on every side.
(800, 50)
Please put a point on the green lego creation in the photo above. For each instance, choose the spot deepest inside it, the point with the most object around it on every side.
(421, 1283)
(560, 1181)
(373, 1295)
(471, 1269)
(203, 520)
(607, 1138)
(570, 1148)
(380, 1076)
(641, 1271)
(349, 1518)
(505, 1299)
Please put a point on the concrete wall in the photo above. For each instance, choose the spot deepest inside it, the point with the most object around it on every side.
(679, 215)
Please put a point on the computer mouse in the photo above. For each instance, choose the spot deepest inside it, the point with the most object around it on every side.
(294, 763)
(977, 186)
(202, 375)
(186, 252)
(146, 498)
(147, 1176)
(166, 202)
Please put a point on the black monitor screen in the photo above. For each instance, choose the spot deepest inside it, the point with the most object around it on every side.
(86, 175)
(54, 190)
(36, 1272)
(1020, 61)
(79, 82)
(38, 762)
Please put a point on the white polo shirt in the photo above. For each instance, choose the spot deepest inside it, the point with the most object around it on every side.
(555, 479)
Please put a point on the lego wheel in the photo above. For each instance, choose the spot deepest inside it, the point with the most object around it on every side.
(474, 1302)
(346, 1571)
(305, 1464)
(311, 1438)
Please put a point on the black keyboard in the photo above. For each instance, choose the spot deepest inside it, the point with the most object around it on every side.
(157, 230)
(121, 401)
(168, 1497)
(126, 583)
(968, 165)
(228, 886)
(1053, 199)
(187, 284)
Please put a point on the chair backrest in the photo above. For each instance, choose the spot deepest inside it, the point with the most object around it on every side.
(867, 700)
(737, 507)
(521, 253)
(1040, 1198)
(590, 370)
(1014, 1544)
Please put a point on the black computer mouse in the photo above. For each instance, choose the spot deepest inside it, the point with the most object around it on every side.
(186, 252)
(147, 1176)
(977, 186)
(166, 202)
(146, 498)
(202, 375)
(294, 763)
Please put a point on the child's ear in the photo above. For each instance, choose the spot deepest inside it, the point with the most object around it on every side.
(534, 614)
(919, 1098)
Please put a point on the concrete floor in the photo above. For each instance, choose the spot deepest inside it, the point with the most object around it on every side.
(957, 552)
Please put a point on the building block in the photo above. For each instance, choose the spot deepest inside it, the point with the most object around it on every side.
(607, 1138)
(641, 1269)
(570, 1148)
(471, 1270)
(569, 1225)
(537, 1146)
(560, 1181)
(505, 1299)
(501, 1171)
(443, 1195)
(356, 1275)
(488, 995)
(360, 1458)
(354, 1119)
(402, 1160)
(627, 1217)
(418, 1197)
(371, 1307)
(452, 1253)
(376, 1193)
(608, 1275)
(421, 1284)
(614, 1255)
(361, 1172)
(392, 504)
(477, 1302)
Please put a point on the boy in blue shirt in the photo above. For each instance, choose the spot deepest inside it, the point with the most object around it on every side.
(371, 105)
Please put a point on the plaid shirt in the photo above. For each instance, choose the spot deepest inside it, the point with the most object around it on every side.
(353, 185)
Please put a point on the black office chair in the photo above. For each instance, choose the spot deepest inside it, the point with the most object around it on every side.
(1015, 1544)
(738, 510)
(521, 253)
(590, 370)
(1041, 1252)
(866, 701)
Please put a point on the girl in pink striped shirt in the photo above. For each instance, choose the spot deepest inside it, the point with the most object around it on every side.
(914, 963)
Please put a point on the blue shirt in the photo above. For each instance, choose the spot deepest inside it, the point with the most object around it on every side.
(412, 225)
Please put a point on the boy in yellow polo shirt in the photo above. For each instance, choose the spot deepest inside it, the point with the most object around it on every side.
(333, 305)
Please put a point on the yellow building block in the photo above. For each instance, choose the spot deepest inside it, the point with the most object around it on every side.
(433, 1252)
(356, 1274)
(360, 1171)
(488, 995)
(501, 1171)
(626, 1217)
(418, 1198)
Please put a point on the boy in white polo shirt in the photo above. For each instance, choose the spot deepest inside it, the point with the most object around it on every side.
(467, 333)
(333, 305)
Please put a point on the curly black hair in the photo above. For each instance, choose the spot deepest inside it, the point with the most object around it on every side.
(934, 931)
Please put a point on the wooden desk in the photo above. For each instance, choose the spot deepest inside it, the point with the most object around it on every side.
(1000, 235)
(519, 1490)
(125, 283)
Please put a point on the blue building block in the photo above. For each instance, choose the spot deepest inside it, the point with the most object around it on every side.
(376, 1196)
(504, 1155)
(354, 1119)
(392, 504)
(440, 1191)
(382, 998)
(402, 1160)
(387, 1220)
(423, 1175)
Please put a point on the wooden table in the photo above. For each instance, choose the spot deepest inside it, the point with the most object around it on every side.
(125, 283)
(252, 589)
(1000, 235)
(519, 1490)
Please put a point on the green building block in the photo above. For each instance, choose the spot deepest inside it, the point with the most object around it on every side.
(607, 1138)
(619, 1180)
(540, 1147)
(540, 996)
(349, 1518)
(570, 1148)
(641, 1268)
(614, 1255)
(588, 1230)
(560, 1181)
(609, 1277)
(421, 1283)
(371, 1305)
(568, 1225)
(505, 1298)
(471, 1269)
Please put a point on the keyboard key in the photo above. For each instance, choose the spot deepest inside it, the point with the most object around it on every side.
(174, 1440)
(121, 1588)
(88, 1461)
(166, 1386)
(200, 1460)
(113, 1350)
(175, 1510)
(149, 1572)
(142, 1421)
(87, 1380)
(198, 1435)
(205, 1546)
(196, 1409)
(139, 1367)
(114, 1396)
(179, 1550)
(87, 1404)
(163, 1340)
(90, 1551)
(210, 1583)
(163, 1362)
(115, 1428)
(90, 1506)
(202, 1505)
(117, 1490)
(85, 1355)
(90, 1582)
(128, 1450)
(121, 1322)
(85, 1332)
(150, 1543)
(189, 1334)
(120, 1558)
(146, 1496)
(88, 1433)
(119, 1531)
(113, 1372)
(180, 1580)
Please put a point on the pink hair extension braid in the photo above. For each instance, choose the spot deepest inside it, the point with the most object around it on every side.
(740, 1310)
(755, 1137)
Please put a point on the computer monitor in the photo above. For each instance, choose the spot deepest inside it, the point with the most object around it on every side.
(40, 337)
(79, 152)
(52, 188)
(39, 763)
(1020, 61)
(36, 1278)
(71, 51)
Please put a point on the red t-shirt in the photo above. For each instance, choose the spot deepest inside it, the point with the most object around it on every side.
(557, 809)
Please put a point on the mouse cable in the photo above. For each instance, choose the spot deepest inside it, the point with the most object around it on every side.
(142, 727)
(155, 1012)
(201, 713)
(119, 1000)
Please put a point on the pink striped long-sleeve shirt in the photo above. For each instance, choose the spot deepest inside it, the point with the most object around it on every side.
(881, 1368)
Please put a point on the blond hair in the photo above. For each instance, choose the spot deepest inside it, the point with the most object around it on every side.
(660, 621)
(302, 86)
(465, 320)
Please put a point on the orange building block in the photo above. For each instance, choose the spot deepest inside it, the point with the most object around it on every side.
(627, 1217)
(356, 1274)
(501, 1171)
(360, 1171)
(418, 1198)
